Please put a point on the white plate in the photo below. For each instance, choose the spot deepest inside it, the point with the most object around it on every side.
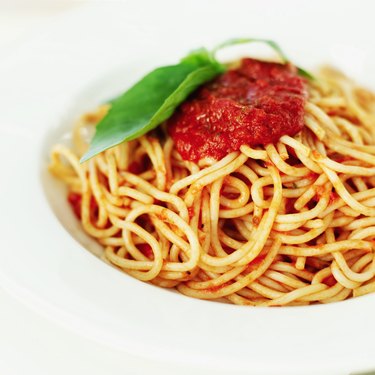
(93, 53)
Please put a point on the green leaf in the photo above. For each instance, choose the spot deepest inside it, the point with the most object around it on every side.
(155, 97)
(271, 43)
(152, 100)
(284, 59)
(306, 74)
(200, 56)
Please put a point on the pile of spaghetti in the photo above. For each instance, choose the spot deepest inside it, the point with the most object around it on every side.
(289, 223)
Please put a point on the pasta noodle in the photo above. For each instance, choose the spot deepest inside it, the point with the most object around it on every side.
(291, 223)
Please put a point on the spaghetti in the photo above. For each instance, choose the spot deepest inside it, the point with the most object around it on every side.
(289, 223)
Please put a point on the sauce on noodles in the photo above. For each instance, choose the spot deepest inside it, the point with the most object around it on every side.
(285, 215)
(253, 105)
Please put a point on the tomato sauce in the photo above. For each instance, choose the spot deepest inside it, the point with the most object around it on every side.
(75, 200)
(216, 288)
(254, 104)
(254, 264)
(146, 250)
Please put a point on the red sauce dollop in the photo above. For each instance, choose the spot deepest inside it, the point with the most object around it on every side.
(253, 105)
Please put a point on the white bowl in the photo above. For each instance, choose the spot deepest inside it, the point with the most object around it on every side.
(88, 56)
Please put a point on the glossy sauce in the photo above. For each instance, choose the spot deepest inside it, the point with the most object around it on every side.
(254, 104)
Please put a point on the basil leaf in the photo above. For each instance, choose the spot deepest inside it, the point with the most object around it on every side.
(306, 74)
(284, 59)
(201, 56)
(271, 43)
(155, 97)
(152, 100)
